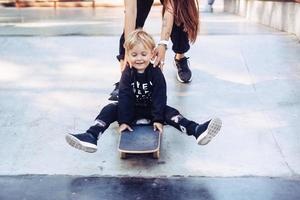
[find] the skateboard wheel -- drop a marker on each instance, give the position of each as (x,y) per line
(155,154)
(122,155)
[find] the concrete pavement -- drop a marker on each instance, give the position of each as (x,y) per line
(108,22)
(114,188)
(245,73)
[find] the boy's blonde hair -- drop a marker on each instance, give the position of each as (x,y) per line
(139,37)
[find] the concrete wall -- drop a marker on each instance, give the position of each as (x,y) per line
(284,16)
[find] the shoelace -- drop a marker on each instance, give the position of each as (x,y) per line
(182,64)
(116,85)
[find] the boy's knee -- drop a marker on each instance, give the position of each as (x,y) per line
(99,123)
(170,113)
(176,118)
(108,111)
(172,118)
(111,106)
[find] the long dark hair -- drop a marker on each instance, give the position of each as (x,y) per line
(186,14)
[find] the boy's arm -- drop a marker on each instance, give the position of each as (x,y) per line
(126,98)
(159,95)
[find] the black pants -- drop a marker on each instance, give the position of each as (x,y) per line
(109,114)
(179,38)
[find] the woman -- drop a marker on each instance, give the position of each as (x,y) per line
(180,23)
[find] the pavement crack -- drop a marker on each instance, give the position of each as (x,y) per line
(282,155)
(280,150)
(244,61)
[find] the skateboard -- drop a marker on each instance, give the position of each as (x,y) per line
(142,140)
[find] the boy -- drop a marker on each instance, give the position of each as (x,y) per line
(142,95)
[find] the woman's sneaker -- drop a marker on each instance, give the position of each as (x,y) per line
(184,74)
(114,95)
(205,132)
(84,141)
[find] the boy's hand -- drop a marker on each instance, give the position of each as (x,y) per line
(124,127)
(158,126)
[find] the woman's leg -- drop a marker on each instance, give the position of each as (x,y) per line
(180,46)
(179,39)
(143,9)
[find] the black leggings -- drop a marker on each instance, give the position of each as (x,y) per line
(179,37)
(109,114)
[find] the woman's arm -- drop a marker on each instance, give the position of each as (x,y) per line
(130,16)
(129,23)
(166,29)
(167,23)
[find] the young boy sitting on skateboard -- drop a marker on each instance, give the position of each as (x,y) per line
(142,94)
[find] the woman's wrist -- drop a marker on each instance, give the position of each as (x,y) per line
(163,43)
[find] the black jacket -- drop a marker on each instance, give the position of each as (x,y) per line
(146,90)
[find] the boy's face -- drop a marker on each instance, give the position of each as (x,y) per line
(139,57)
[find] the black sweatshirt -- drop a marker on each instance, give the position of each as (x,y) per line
(142,90)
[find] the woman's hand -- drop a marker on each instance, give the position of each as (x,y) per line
(124,127)
(158,127)
(123,64)
(159,56)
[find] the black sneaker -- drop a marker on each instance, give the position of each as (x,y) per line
(114,95)
(84,141)
(184,74)
(205,132)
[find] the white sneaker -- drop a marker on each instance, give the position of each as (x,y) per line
(212,130)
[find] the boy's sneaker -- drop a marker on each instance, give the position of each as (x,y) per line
(84,141)
(114,95)
(184,74)
(205,132)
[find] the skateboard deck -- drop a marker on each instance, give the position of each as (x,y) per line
(142,140)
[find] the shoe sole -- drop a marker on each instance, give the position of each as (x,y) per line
(181,81)
(178,77)
(212,130)
(84,146)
